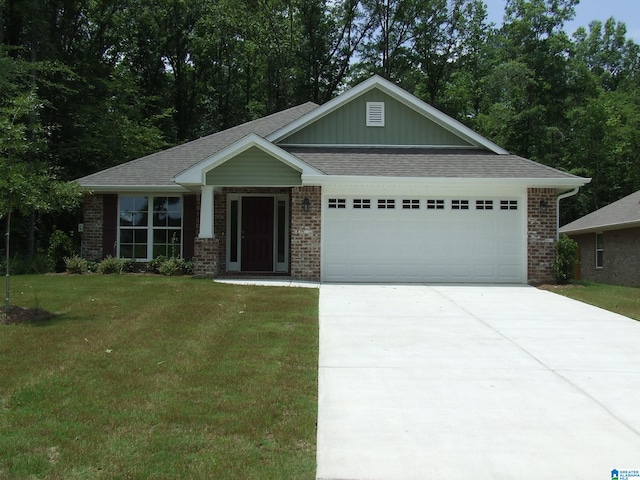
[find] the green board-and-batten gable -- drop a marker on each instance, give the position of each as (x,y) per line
(253,167)
(347,126)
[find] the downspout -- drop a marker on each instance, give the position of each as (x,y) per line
(562,197)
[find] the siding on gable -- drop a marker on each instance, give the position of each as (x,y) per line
(253,167)
(347,126)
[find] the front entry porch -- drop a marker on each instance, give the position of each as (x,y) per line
(260,231)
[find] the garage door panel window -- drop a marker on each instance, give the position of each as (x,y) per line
(362,203)
(484,204)
(411,204)
(433,204)
(508,205)
(337,203)
(386,203)
(459,204)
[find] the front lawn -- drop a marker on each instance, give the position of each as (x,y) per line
(622,300)
(154,377)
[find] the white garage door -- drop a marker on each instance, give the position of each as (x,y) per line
(419,239)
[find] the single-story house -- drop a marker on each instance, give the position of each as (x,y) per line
(373,186)
(609,242)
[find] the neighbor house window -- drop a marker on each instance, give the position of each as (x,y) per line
(149,226)
(599,250)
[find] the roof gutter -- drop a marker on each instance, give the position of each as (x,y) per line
(562,197)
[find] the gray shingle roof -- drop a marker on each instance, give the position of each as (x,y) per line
(423,162)
(158,168)
(624,213)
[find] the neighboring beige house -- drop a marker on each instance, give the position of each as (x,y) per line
(373,186)
(609,241)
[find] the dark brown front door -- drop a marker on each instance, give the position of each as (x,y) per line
(257,234)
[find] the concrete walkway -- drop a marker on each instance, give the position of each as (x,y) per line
(474,382)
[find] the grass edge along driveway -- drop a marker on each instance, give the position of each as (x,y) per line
(158,377)
(615,298)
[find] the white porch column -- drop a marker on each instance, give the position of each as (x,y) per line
(206,212)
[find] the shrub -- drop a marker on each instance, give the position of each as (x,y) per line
(176,266)
(566,259)
(153,266)
(23,264)
(60,248)
(115,265)
(76,265)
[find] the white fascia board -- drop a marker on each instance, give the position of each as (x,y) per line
(398,93)
(558,183)
(196,174)
(134,188)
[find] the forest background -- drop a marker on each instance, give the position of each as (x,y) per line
(88,84)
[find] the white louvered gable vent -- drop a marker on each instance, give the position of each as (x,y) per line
(375,114)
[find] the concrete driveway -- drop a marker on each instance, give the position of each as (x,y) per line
(474,382)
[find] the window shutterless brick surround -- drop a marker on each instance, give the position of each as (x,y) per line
(541,233)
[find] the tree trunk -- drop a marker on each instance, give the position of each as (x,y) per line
(6,247)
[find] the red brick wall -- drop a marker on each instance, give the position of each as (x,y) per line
(541,235)
(306,233)
(93,220)
(621,262)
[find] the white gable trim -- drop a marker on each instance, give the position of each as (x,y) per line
(399,94)
(196,174)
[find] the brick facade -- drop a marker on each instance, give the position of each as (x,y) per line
(306,233)
(541,234)
(621,261)
(93,225)
(205,257)
(305,240)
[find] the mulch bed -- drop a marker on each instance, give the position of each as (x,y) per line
(553,287)
(24,315)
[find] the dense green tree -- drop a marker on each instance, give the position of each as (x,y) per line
(26,183)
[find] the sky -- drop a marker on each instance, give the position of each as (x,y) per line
(627,11)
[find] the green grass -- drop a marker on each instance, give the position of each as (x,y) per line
(622,300)
(157,377)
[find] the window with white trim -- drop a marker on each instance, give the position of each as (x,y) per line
(435,204)
(149,226)
(599,250)
(508,204)
(337,203)
(411,204)
(484,204)
(386,203)
(459,204)
(361,203)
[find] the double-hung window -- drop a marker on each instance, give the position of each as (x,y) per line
(149,227)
